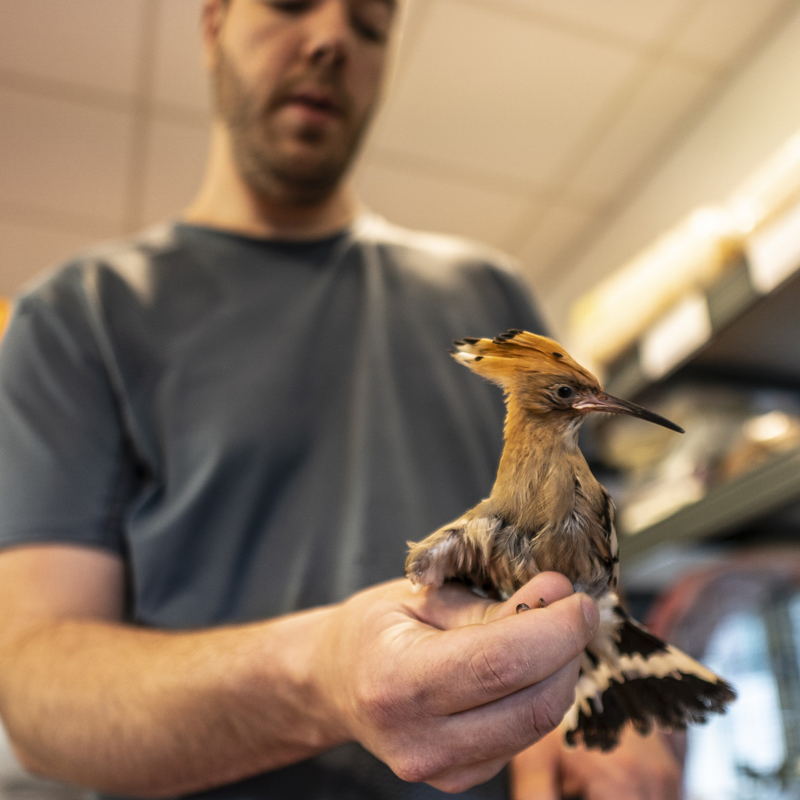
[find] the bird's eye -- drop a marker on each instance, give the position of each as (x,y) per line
(565,392)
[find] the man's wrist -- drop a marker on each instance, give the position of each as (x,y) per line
(302,648)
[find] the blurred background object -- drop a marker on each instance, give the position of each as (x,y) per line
(641,158)
(742,617)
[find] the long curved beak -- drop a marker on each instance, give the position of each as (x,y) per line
(609,404)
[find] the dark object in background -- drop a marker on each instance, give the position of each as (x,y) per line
(743,617)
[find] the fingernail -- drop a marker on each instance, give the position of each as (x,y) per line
(590,612)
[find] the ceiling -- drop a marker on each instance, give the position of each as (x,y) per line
(522,123)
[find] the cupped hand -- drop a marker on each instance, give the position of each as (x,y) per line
(444,686)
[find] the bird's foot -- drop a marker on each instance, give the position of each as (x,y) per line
(542,603)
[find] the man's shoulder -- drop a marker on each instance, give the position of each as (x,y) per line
(131,258)
(435,254)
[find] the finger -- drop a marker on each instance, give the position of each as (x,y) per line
(454,605)
(460,669)
(536,594)
(509,725)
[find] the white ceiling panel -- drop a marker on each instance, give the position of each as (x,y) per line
(429,203)
(641,21)
(92,43)
(180,78)
(27,250)
(175,161)
(644,127)
(722,29)
(489,92)
(63,157)
(557,231)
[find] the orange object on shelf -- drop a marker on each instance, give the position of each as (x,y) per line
(5,313)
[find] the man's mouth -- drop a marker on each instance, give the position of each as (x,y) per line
(315,103)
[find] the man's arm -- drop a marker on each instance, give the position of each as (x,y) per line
(443,686)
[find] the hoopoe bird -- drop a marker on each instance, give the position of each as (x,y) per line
(546,512)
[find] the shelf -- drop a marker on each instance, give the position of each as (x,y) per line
(724,510)
(743,329)
(745,325)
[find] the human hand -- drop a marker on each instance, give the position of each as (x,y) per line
(444,686)
(640,768)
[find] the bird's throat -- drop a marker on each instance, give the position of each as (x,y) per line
(536,479)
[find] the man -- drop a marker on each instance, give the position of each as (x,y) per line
(213,437)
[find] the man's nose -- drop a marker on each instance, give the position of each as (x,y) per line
(329,33)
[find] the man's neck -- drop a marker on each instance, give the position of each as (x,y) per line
(225,201)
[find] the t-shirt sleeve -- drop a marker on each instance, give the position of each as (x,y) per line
(64,469)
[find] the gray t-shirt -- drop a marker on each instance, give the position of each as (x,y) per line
(255,426)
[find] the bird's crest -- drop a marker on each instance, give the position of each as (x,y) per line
(514,352)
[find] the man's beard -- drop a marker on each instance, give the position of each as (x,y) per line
(270,171)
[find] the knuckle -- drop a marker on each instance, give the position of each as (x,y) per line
(378,701)
(548,713)
(416,767)
(493,671)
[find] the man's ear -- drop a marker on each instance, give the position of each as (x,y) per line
(212,18)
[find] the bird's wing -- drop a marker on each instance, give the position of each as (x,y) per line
(611,541)
(467,550)
(459,550)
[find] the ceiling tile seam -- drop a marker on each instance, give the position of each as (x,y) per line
(603,124)
(769,30)
(398,159)
(180,114)
(690,62)
(77,94)
(99,99)
(599,36)
(56,220)
(591,139)
(580,30)
(133,210)
(629,188)
(640,176)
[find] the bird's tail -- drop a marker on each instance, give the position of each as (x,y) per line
(644,681)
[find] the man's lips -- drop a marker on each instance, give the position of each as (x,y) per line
(314,104)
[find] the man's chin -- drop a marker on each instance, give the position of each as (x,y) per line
(300,181)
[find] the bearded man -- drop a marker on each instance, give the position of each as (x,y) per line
(215,441)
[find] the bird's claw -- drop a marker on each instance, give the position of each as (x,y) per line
(526,607)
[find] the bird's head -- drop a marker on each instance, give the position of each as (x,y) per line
(545,380)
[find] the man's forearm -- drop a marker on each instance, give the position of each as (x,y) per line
(133,711)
